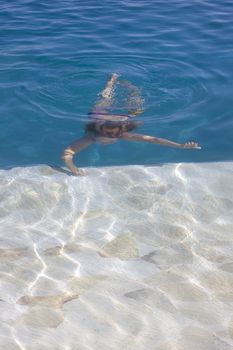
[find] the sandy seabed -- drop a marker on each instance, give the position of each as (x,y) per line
(126,257)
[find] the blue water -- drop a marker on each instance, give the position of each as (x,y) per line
(55,58)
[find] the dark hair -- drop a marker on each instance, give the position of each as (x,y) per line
(95,126)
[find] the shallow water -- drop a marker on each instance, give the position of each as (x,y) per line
(136,256)
(128,255)
(55,58)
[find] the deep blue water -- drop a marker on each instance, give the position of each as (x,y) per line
(55,58)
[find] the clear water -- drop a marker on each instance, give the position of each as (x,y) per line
(131,257)
(56,56)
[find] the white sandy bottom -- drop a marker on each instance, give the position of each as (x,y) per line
(126,257)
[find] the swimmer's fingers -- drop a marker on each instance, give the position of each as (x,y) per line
(78,172)
(191,145)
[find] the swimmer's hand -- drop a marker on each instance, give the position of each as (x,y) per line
(67,157)
(78,172)
(190,145)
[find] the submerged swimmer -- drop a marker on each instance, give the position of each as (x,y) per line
(106,128)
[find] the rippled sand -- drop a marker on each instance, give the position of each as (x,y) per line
(126,257)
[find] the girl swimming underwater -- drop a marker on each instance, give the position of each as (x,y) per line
(106,128)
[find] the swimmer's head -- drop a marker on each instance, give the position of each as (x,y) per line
(131,125)
(112,128)
(112,131)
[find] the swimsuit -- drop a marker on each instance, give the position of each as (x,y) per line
(112,117)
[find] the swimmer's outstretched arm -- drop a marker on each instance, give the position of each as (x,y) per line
(71,150)
(145,138)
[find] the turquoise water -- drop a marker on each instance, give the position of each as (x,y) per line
(55,58)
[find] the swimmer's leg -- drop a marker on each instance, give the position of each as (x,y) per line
(134,102)
(107,95)
(108,90)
